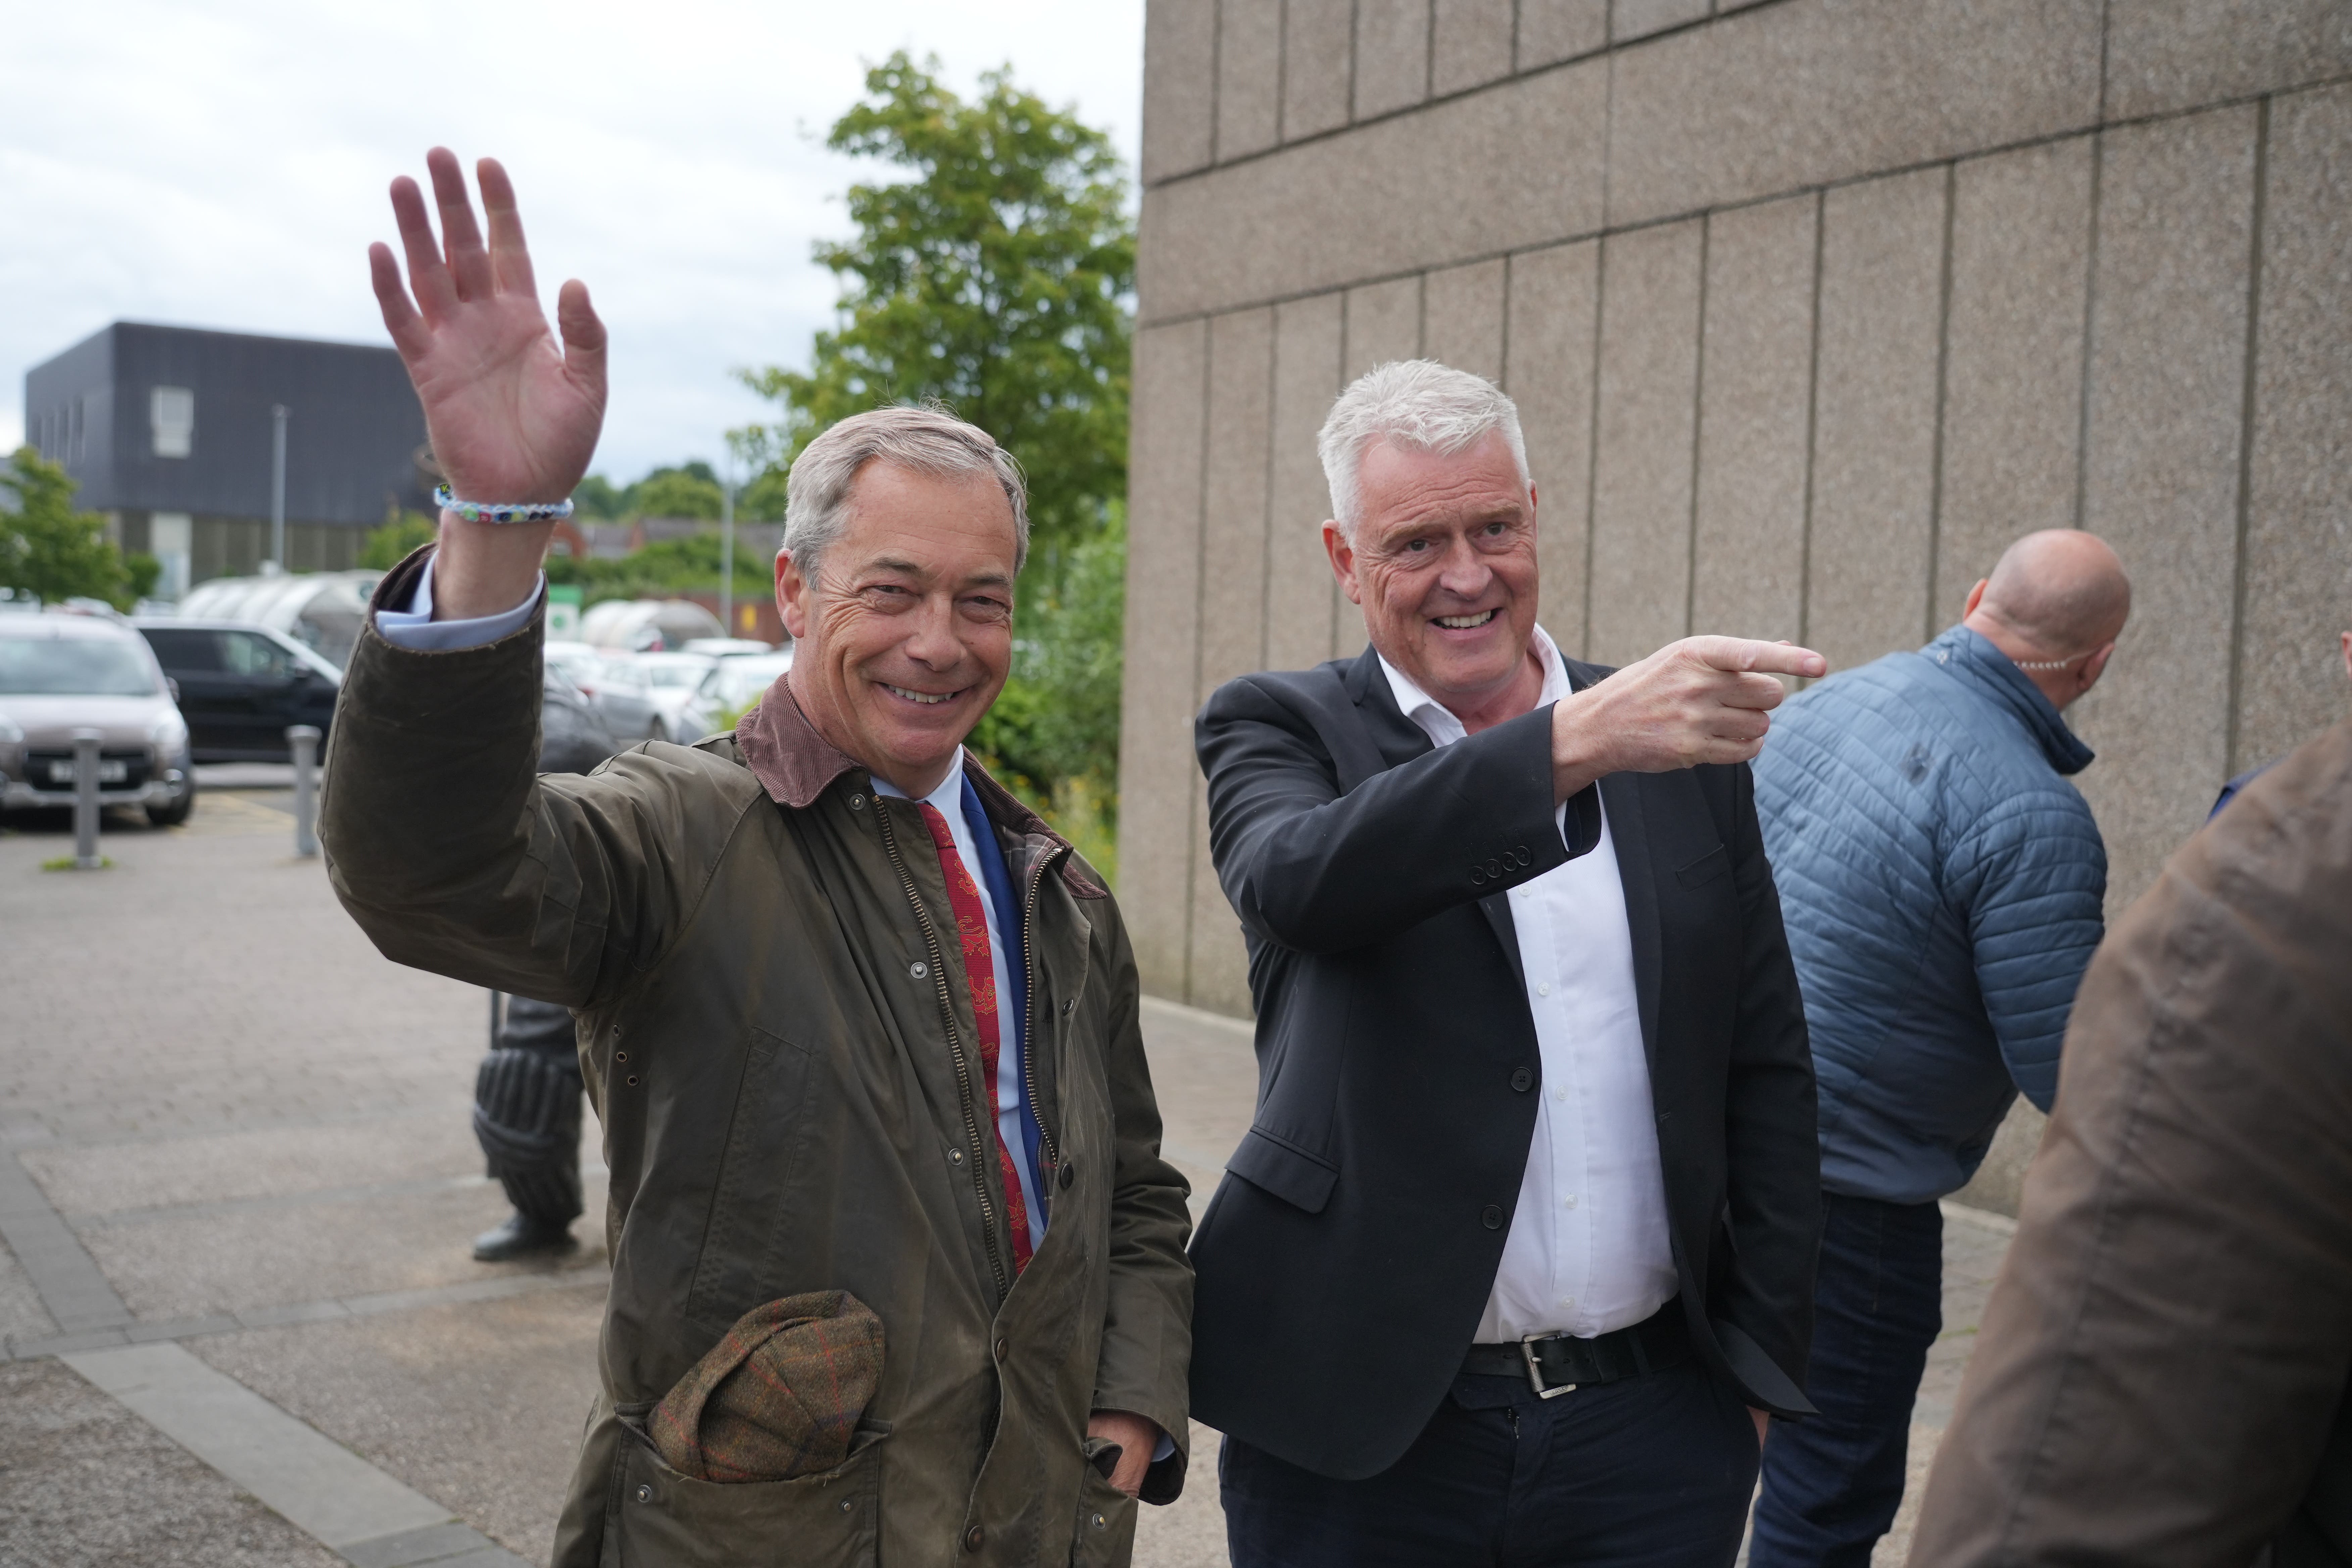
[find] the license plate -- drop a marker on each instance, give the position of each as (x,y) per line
(108,773)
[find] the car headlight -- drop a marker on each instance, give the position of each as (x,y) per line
(9,733)
(168,730)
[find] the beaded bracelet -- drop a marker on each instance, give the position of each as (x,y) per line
(493,512)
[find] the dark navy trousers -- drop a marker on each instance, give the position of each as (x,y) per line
(1653,1470)
(1833,1481)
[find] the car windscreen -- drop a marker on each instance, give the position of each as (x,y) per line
(74,667)
(738,681)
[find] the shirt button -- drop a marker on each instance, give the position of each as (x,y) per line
(918,969)
(1569,1200)
(1543,990)
(1568,1300)
(1491,1216)
(1560,1094)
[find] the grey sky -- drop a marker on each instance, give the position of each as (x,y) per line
(225,165)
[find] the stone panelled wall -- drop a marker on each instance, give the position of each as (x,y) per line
(1809,307)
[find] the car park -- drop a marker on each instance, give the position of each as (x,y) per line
(573,737)
(242,685)
(671,680)
(60,673)
(614,686)
(733,684)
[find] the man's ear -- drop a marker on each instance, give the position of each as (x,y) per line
(1343,560)
(2097,666)
(1976,597)
(791,596)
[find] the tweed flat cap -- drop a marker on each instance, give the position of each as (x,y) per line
(779,1396)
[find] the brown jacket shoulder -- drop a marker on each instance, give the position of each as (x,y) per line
(2166,1347)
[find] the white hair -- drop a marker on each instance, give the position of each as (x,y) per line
(1417,403)
(927,440)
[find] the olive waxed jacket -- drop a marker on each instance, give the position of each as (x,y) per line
(781,1051)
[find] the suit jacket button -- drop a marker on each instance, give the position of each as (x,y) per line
(1525,858)
(1522,1080)
(1477,878)
(1494,868)
(1492,1216)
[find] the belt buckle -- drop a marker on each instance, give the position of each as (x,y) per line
(1535,1369)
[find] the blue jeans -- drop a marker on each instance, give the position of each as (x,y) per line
(1833,1481)
(1647,1472)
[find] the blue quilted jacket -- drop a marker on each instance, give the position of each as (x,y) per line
(1942,884)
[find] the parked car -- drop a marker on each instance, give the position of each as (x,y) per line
(59,673)
(242,685)
(618,690)
(733,684)
(670,681)
(647,626)
(572,736)
(723,647)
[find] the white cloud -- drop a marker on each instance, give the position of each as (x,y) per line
(225,165)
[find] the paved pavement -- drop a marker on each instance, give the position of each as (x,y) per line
(237,1187)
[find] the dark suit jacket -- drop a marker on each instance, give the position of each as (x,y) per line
(1348,1255)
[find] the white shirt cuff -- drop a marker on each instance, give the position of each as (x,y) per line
(415,628)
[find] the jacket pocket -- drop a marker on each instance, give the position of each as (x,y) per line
(1705,868)
(1105,1537)
(1295,1176)
(664,1520)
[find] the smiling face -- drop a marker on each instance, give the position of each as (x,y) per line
(906,637)
(1443,563)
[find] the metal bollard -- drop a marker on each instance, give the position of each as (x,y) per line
(304,740)
(86,855)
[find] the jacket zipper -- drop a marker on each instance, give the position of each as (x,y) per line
(1029,1036)
(980,1162)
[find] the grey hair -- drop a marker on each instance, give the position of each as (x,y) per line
(927,440)
(1417,404)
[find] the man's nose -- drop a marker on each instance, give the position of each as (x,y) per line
(933,640)
(1464,572)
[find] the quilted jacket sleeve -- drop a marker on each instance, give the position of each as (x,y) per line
(2031,877)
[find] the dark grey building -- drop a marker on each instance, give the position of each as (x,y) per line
(169,431)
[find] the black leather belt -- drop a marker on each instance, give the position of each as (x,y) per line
(1555,1365)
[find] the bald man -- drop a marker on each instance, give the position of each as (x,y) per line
(1941,881)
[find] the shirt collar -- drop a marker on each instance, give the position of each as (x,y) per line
(947,800)
(1438,721)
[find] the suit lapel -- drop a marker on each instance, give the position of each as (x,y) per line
(1621,797)
(1398,740)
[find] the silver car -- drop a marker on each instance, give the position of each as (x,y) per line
(59,673)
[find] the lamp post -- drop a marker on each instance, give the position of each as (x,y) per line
(278,486)
(727,550)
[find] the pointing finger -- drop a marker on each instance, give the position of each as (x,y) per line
(469,263)
(435,295)
(1744,655)
(510,257)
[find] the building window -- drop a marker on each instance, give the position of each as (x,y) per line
(172,414)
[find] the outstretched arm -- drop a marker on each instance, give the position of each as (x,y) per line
(512,413)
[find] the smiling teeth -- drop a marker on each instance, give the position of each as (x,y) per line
(926,698)
(1464,623)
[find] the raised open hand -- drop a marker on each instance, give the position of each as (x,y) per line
(512,415)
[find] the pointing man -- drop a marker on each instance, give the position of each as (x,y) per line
(1520,1247)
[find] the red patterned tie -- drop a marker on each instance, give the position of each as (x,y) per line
(980,971)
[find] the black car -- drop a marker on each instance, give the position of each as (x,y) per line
(241,686)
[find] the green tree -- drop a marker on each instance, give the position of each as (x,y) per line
(677,492)
(599,498)
(48,549)
(386,547)
(995,279)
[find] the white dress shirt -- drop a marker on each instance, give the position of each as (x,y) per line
(1588,1250)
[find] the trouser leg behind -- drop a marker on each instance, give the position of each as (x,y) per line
(1833,1481)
